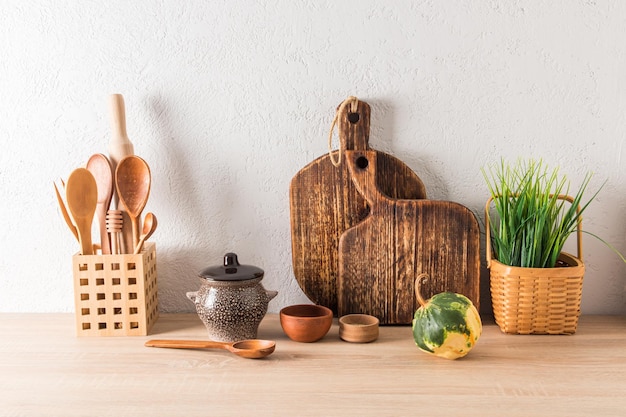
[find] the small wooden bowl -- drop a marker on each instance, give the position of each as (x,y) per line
(358,328)
(306,322)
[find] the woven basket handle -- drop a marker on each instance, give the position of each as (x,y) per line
(579,230)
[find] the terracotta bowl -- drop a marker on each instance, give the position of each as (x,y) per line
(306,322)
(358,328)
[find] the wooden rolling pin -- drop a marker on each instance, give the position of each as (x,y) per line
(119,148)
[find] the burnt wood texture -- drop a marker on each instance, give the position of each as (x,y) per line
(324,203)
(380,257)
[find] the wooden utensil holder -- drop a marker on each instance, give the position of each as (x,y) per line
(116,295)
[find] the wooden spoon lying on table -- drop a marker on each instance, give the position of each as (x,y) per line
(82,198)
(251,349)
(132,180)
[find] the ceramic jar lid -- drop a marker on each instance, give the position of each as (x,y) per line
(232,270)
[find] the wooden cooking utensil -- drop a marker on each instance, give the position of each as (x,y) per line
(149,226)
(324,203)
(115,220)
(132,180)
(380,257)
(100,168)
(82,198)
(64,212)
(251,349)
(119,148)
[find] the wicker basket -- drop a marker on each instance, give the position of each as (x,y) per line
(536,300)
(116,295)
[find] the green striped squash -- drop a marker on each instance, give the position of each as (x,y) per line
(447,325)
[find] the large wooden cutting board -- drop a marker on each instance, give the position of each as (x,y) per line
(324,203)
(380,258)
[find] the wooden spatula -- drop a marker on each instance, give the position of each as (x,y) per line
(82,198)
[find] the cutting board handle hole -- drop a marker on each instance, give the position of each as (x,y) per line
(362,162)
(353,117)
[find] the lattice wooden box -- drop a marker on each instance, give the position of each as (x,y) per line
(116,295)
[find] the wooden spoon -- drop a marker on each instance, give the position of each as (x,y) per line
(149,226)
(132,180)
(100,168)
(251,349)
(82,198)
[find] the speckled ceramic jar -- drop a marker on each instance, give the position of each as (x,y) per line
(231,302)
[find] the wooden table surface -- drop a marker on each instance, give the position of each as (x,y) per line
(47,371)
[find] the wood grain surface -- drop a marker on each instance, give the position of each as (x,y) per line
(46,371)
(324,203)
(380,257)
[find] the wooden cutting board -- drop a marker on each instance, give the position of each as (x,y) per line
(324,203)
(380,257)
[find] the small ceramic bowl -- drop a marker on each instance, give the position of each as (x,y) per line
(358,328)
(306,322)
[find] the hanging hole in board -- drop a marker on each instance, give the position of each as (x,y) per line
(353,117)
(362,162)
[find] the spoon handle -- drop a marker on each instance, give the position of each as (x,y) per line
(188,344)
(105,242)
(140,245)
(134,221)
(65,214)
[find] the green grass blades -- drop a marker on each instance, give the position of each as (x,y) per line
(534,220)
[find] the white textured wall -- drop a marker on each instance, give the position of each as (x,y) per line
(227,100)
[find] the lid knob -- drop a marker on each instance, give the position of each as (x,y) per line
(230,259)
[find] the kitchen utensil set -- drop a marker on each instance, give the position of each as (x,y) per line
(114,190)
(89,192)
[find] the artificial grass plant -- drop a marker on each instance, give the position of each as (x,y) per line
(533,222)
